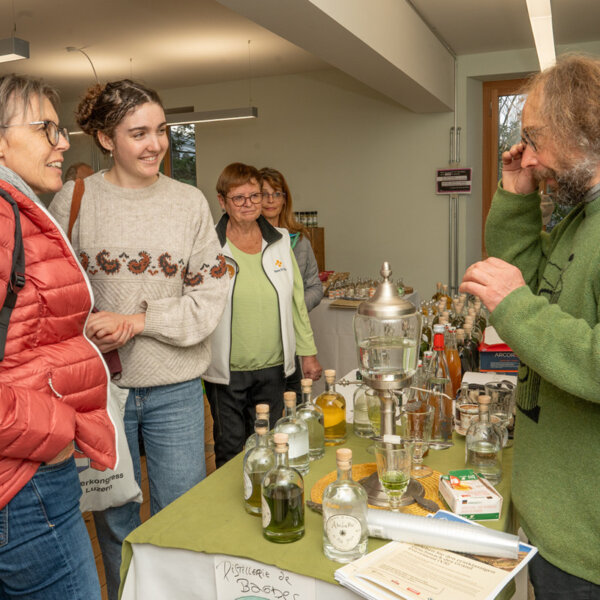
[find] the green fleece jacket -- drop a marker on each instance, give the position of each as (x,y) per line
(552,324)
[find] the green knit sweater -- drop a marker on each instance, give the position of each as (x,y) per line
(552,325)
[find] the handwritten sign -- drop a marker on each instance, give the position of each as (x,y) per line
(242,579)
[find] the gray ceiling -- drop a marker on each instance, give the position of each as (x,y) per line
(178,43)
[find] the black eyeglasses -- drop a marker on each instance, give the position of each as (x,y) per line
(52,130)
(273,196)
(240,199)
(527,140)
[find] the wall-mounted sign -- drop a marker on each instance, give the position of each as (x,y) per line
(453,181)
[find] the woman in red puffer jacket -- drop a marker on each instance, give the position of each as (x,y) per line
(53,382)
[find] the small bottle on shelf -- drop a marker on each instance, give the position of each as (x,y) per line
(483,445)
(257,462)
(282,498)
(333,406)
(345,531)
(297,434)
(313,417)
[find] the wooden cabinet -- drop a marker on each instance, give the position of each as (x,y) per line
(317,241)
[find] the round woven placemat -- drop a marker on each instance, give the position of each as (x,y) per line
(430,484)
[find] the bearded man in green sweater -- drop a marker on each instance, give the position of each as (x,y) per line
(543,292)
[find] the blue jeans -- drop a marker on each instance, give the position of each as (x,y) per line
(45,550)
(170,419)
(551,583)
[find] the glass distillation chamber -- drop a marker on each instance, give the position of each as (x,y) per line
(387,330)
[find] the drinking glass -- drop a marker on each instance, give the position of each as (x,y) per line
(416,421)
(501,395)
(393,470)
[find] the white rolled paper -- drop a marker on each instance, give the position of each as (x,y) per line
(439,533)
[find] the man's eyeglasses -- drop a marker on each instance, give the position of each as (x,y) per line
(240,199)
(527,140)
(273,196)
(52,130)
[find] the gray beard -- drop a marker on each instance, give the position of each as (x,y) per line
(572,183)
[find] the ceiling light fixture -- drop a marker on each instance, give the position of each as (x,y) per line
(73,49)
(13,48)
(210,116)
(540,16)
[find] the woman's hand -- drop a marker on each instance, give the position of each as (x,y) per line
(311,368)
(109,330)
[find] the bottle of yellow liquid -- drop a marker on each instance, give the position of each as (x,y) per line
(333,406)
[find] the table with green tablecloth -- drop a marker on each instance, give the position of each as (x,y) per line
(210,520)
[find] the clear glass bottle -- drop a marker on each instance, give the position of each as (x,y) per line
(362,425)
(282,498)
(257,462)
(333,406)
(297,431)
(313,417)
(483,445)
(440,393)
(262,414)
(345,532)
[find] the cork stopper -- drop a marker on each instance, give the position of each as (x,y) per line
(289,399)
(484,402)
(281,440)
(330,375)
(306,383)
(262,409)
(343,457)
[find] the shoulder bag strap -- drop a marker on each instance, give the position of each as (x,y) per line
(17,275)
(75,204)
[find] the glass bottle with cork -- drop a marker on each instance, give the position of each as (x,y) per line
(282,497)
(313,417)
(483,445)
(257,461)
(345,531)
(262,413)
(333,406)
(297,432)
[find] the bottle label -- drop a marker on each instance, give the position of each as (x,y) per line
(247,486)
(266,513)
(343,531)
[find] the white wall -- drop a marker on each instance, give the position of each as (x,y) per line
(365,163)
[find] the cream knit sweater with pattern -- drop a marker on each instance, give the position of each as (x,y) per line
(152,250)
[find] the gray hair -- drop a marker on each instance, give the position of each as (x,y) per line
(16,92)
(570,102)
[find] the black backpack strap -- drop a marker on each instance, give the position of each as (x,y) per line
(17,275)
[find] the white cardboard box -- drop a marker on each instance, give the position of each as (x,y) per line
(471,496)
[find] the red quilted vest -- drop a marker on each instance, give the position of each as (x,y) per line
(53,382)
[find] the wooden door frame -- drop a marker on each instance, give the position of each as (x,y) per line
(492,90)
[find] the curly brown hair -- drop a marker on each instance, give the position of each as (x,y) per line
(104,106)
(569,94)
(286,218)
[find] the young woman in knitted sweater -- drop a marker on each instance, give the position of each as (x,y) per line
(148,245)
